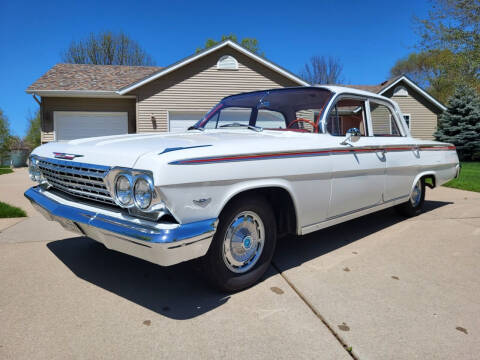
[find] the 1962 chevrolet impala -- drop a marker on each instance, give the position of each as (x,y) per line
(257,166)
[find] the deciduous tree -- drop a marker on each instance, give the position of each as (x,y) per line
(453,25)
(107,48)
(248,43)
(449,48)
(437,71)
(32,139)
(322,70)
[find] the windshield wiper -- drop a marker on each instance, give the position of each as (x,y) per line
(195,127)
(251,127)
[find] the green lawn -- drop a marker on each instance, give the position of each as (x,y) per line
(9,211)
(469,177)
(5,170)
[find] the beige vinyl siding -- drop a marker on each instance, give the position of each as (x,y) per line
(51,104)
(381,119)
(423,115)
(199,86)
(423,122)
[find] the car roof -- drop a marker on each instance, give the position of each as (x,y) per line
(348,90)
(332,88)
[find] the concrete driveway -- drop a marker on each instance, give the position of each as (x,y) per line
(388,288)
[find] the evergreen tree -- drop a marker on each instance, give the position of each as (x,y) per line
(460,123)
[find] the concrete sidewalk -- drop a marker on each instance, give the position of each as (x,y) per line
(388,287)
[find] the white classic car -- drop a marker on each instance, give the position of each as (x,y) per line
(258,165)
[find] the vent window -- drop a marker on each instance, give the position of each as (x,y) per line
(227,62)
(400,91)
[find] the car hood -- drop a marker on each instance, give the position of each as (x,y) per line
(125,150)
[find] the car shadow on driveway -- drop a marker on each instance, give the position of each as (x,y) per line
(179,291)
(292,251)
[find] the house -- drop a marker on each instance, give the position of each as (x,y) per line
(93,100)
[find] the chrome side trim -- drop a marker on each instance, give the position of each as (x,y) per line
(310,153)
(156,242)
(365,208)
(333,220)
(166,150)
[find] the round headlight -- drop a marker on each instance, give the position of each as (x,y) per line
(33,170)
(143,192)
(123,190)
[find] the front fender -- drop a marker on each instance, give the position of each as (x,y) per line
(197,201)
(244,186)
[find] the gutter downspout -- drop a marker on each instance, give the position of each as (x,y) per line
(40,103)
(36,99)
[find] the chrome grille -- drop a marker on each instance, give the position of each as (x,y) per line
(77,179)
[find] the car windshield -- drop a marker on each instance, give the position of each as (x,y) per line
(296,109)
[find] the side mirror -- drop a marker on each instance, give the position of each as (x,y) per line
(353,135)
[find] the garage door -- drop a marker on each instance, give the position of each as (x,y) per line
(71,125)
(181,121)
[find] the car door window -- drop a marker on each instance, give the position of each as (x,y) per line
(347,114)
(383,121)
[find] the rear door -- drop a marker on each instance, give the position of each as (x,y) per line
(401,156)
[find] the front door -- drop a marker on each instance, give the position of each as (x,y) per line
(358,166)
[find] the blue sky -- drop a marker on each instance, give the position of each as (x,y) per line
(367,36)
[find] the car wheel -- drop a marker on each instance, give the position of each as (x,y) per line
(243,245)
(414,205)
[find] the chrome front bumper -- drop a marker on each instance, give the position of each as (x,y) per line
(159,243)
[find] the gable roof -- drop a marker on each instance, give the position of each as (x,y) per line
(205,52)
(387,85)
(117,80)
(89,78)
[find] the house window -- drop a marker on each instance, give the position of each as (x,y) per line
(227,62)
(407,119)
(400,91)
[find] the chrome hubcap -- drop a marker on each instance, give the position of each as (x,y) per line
(243,242)
(416,194)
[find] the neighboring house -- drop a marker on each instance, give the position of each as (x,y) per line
(419,108)
(93,100)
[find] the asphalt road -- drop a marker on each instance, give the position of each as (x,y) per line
(387,287)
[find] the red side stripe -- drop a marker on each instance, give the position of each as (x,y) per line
(274,155)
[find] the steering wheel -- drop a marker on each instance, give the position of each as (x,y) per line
(315,127)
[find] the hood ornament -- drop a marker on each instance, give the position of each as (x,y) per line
(65,156)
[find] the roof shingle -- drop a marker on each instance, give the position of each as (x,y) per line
(374,88)
(91,77)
